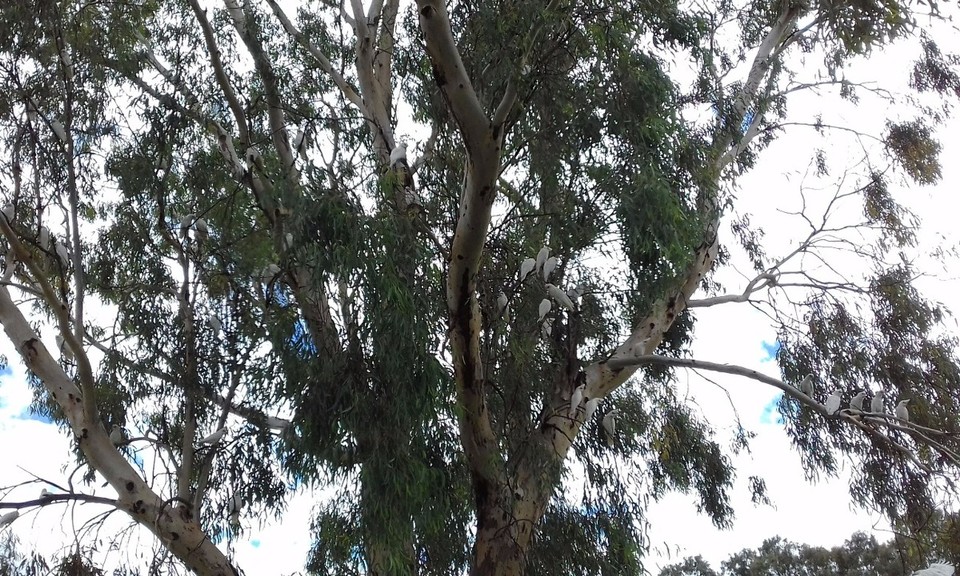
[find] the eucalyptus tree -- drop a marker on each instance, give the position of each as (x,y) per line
(203,208)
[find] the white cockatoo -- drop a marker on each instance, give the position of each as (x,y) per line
(575,399)
(542,256)
(234,508)
(214,437)
(300,141)
(548,267)
(215,324)
(44,494)
(63,254)
(833,403)
(544,309)
(185,223)
(44,238)
(560,296)
(526,267)
(936,569)
(503,306)
(288,240)
(251,156)
(876,404)
(65,350)
(59,130)
(398,154)
(400,167)
(590,408)
(610,425)
(857,402)
(202,229)
(8,518)
(116,435)
(8,212)
(901,411)
(806,385)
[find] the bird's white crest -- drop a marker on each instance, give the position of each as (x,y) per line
(806,385)
(542,256)
(560,296)
(590,408)
(8,212)
(936,569)
(398,153)
(59,130)
(526,267)
(876,404)
(901,411)
(8,518)
(544,309)
(44,237)
(857,402)
(833,403)
(214,437)
(548,267)
(575,399)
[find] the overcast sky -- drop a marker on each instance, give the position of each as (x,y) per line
(816,514)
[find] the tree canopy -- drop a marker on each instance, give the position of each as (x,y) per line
(210,227)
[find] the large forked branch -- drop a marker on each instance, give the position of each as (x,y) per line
(476,433)
(557,432)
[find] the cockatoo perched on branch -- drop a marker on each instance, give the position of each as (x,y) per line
(400,167)
(549,265)
(901,411)
(560,296)
(544,309)
(214,438)
(542,256)
(876,404)
(833,403)
(610,425)
(857,402)
(575,399)
(806,385)
(526,267)
(590,408)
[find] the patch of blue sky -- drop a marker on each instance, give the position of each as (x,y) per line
(771,412)
(770,350)
(255,543)
(5,370)
(28,414)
